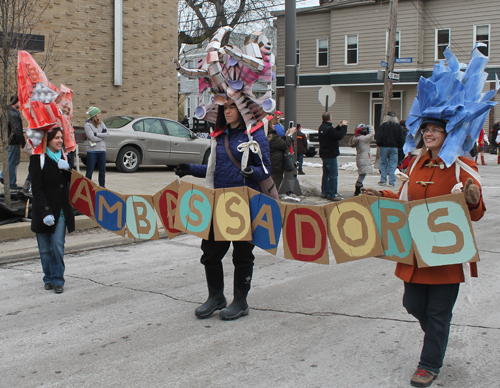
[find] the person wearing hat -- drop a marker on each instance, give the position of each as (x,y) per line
(363,135)
(16,141)
(389,138)
(96,132)
(276,123)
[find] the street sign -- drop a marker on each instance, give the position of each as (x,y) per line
(384,64)
(403,60)
(394,76)
(326,96)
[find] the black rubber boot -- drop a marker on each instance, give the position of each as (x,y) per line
(238,308)
(216,300)
(357,190)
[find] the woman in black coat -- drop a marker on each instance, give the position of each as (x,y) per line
(51,210)
(278,146)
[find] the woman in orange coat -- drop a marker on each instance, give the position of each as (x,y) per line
(431,292)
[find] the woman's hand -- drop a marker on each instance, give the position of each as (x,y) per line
(247,173)
(472,192)
(182,170)
(291,131)
(369,191)
(49,220)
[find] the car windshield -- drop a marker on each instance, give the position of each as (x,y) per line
(117,121)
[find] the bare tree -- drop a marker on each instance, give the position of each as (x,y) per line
(18,18)
(199,19)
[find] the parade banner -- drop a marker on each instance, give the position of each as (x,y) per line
(165,202)
(267,217)
(193,214)
(232,215)
(352,230)
(437,231)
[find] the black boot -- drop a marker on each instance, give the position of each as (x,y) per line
(357,190)
(216,300)
(239,306)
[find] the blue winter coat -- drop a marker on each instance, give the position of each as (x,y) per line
(227,174)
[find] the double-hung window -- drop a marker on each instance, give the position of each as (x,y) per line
(442,41)
(351,49)
(482,35)
(297,49)
(322,52)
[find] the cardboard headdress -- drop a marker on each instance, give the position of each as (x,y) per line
(43,105)
(454,96)
(230,72)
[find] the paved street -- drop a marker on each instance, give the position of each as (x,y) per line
(126,317)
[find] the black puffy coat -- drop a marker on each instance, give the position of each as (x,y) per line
(329,139)
(278,146)
(50,187)
(390,134)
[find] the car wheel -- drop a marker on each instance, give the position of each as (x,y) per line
(311,152)
(128,159)
(84,161)
(206,156)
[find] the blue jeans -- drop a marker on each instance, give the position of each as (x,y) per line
(330,177)
(98,158)
(14,160)
(51,249)
(300,161)
(388,164)
(432,305)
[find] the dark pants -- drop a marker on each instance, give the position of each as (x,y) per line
(432,305)
(330,178)
(300,162)
(243,258)
(96,158)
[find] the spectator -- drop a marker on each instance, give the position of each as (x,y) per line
(328,151)
(278,145)
(51,211)
(280,129)
(301,149)
(229,133)
(16,141)
(96,132)
(493,137)
(363,135)
(389,138)
(185,121)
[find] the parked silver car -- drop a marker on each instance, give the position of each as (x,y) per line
(136,140)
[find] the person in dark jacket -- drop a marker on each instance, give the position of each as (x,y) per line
(278,145)
(16,141)
(389,138)
(185,121)
(493,139)
(51,210)
(328,151)
(231,127)
(301,149)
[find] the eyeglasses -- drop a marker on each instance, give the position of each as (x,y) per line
(432,130)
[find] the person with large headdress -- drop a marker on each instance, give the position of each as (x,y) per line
(239,152)
(445,119)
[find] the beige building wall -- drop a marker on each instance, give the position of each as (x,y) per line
(84,35)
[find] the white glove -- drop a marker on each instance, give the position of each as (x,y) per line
(49,220)
(62,164)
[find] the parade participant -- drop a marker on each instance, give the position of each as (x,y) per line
(482,144)
(389,138)
(363,135)
(441,168)
(329,151)
(241,122)
(51,211)
(301,149)
(96,132)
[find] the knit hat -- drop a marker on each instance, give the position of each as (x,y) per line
(93,110)
(13,99)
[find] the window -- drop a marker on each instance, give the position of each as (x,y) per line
(442,41)
(298,52)
(396,44)
(322,52)
(177,130)
(351,54)
(482,35)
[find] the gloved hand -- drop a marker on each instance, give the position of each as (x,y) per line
(49,220)
(247,173)
(63,165)
(471,191)
(104,130)
(182,169)
(95,134)
(369,191)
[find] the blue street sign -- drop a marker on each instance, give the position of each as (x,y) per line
(383,63)
(403,60)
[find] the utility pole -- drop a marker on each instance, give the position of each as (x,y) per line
(290,183)
(391,46)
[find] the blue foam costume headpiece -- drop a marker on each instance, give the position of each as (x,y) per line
(454,96)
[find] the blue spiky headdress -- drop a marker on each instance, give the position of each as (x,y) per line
(454,96)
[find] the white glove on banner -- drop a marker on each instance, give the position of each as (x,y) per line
(49,220)
(62,164)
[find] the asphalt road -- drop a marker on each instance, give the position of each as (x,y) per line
(126,318)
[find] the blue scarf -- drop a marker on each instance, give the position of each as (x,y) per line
(55,156)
